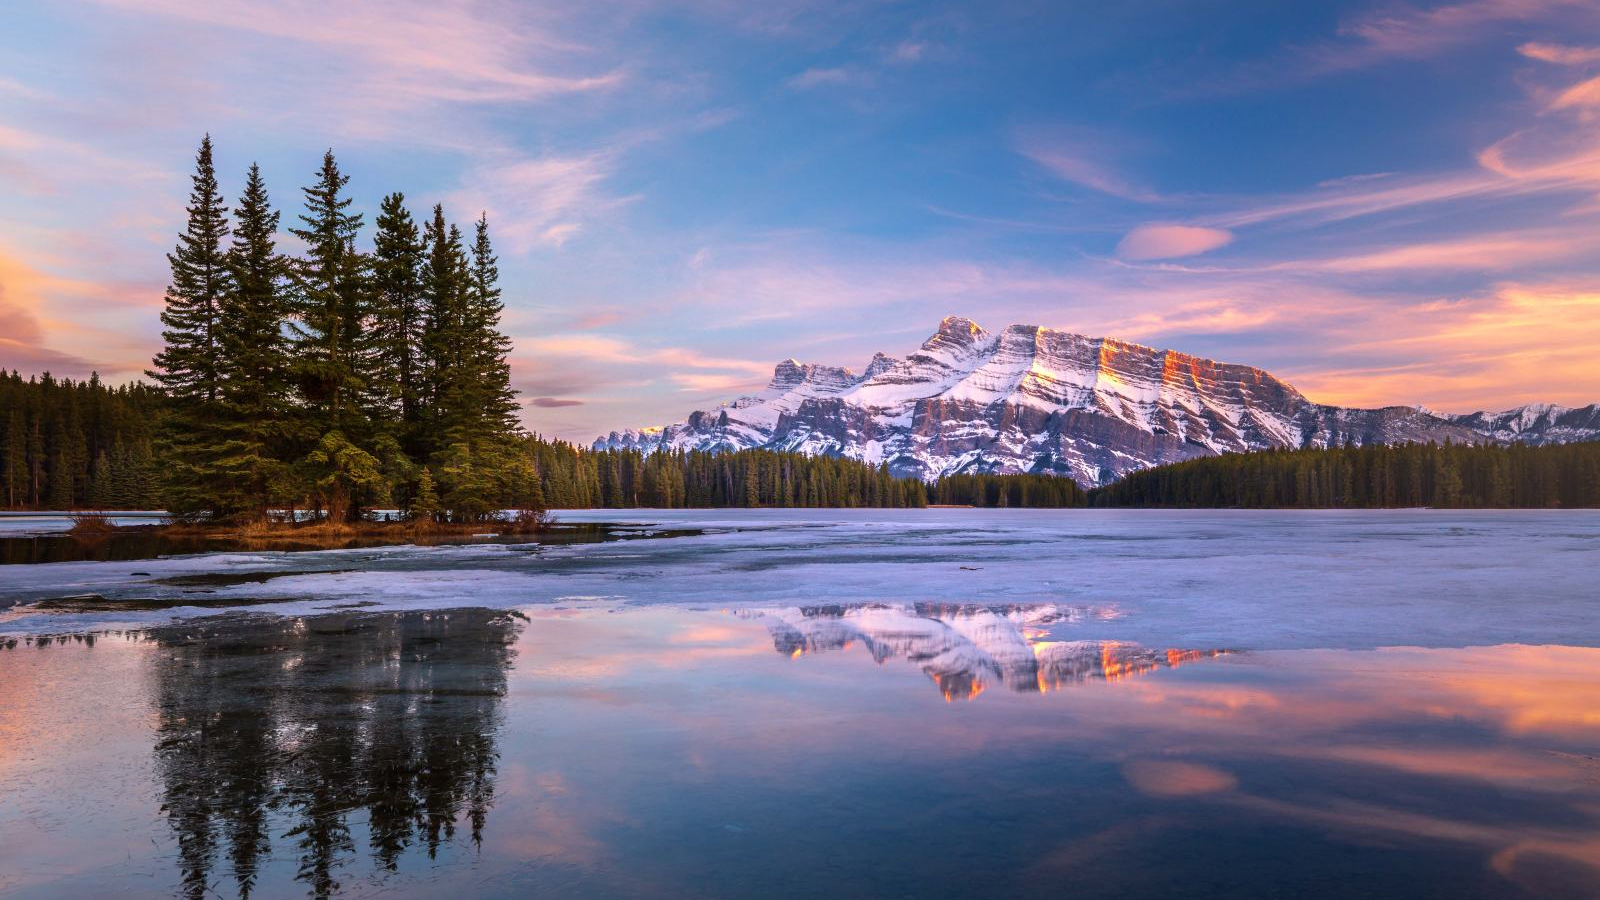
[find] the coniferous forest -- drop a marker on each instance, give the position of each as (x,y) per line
(1375,476)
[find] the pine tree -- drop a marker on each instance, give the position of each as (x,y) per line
(331,287)
(489,377)
(398,320)
(189,365)
(257,415)
(329,283)
(443,297)
(425,505)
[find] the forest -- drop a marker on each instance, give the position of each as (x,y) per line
(1454,476)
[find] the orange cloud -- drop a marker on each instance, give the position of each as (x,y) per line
(1522,343)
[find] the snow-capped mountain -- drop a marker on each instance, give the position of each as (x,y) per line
(1031,399)
(967,649)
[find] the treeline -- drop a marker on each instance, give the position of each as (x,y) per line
(574,478)
(1375,476)
(77,444)
(1007,491)
(340,379)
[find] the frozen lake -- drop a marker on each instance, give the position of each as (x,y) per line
(1263,580)
(920,704)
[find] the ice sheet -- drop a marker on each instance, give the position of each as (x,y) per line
(1236,579)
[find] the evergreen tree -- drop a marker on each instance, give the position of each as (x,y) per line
(257,417)
(443,298)
(330,285)
(487,380)
(397,377)
(189,365)
(425,504)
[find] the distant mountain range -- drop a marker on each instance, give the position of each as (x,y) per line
(1030,399)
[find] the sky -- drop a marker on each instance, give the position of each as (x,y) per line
(1382,203)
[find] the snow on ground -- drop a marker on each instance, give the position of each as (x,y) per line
(1236,579)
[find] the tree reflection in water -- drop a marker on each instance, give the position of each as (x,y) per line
(314,727)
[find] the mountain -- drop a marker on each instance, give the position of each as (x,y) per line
(967,649)
(1032,399)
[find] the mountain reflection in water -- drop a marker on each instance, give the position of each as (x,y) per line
(294,728)
(966,649)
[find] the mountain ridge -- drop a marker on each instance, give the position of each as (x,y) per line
(1034,399)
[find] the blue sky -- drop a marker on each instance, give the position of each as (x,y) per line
(1381,202)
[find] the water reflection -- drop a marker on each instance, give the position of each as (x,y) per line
(311,729)
(671,753)
(966,649)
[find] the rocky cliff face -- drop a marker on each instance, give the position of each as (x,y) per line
(1029,399)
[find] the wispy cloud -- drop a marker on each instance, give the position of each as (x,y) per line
(812,78)
(1480,253)
(1560,54)
(1082,156)
(537,200)
(449,50)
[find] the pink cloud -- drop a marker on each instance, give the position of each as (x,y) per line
(1410,31)
(1166,241)
(443,49)
(1580,95)
(1483,253)
(1559,54)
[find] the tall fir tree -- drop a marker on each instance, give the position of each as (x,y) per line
(398,320)
(443,286)
(257,412)
(492,399)
(189,365)
(329,284)
(331,298)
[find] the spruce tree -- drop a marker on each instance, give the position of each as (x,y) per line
(489,377)
(257,414)
(329,283)
(331,287)
(189,365)
(396,376)
(443,297)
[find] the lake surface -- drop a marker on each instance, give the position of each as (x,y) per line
(952,703)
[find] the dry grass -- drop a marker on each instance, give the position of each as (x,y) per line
(91,524)
(263,532)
